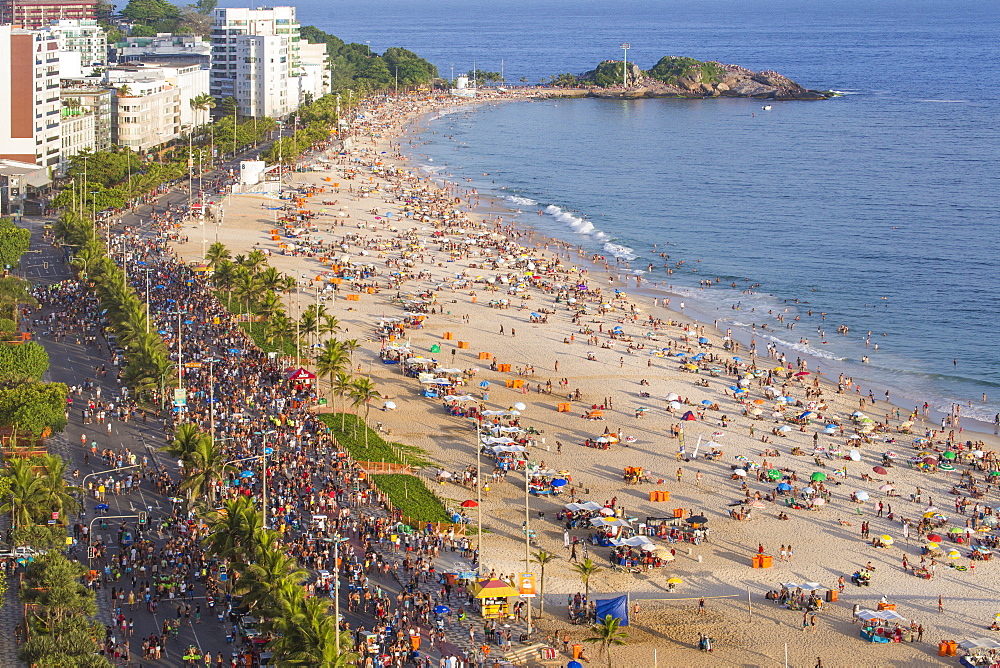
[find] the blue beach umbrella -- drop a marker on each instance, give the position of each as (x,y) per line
(706,402)
(484,384)
(703,340)
(784,487)
(558,482)
(574,664)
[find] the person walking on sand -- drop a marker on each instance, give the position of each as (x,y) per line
(701,606)
(940,603)
(680,472)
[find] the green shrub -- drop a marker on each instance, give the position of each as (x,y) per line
(411,497)
(352,438)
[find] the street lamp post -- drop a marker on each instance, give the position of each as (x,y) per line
(625,47)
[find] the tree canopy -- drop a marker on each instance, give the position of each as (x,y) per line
(14,242)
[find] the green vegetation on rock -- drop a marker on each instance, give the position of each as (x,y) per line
(671,68)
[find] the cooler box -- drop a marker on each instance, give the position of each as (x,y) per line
(831,595)
(564,408)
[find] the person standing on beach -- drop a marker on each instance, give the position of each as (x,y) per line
(680,472)
(940,603)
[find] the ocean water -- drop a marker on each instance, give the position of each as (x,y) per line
(876,208)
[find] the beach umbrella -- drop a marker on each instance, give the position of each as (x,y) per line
(802,373)
(520,406)
(706,402)
(756,411)
(607,512)
(854,455)
(886,540)
(735,388)
(703,340)
(757,503)
(676,405)
(774,474)
(574,664)
(930,461)
(948,454)
(886,488)
(470,504)
(784,428)
(879,470)
(995,473)
(441,609)
(817,476)
(672,397)
(558,482)
(740,473)
(674,581)
(758,402)
(830,430)
(861,495)
(954,554)
(389,405)
(697,519)
(819,502)
(784,487)
(946,467)
(956,530)
(484,384)
(890,455)
(933,546)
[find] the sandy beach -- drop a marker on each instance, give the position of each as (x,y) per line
(508,292)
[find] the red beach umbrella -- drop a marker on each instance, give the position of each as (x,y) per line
(934,538)
(930,460)
(879,470)
(470,504)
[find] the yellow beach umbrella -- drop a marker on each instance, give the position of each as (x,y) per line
(886,540)
(932,546)
(954,554)
(674,581)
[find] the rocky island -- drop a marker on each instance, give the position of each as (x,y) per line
(681,77)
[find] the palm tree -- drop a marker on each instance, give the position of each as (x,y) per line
(208,466)
(269,304)
(217,253)
(27,492)
(608,633)
(308,323)
(124,91)
(341,385)
(232,530)
(331,360)
(271,279)
(255,260)
(541,557)
(362,392)
(245,287)
(306,634)
(270,568)
(186,438)
(278,328)
(350,345)
(224,273)
(202,102)
(585,570)
(330,325)
(58,495)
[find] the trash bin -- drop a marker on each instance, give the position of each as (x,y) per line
(578,651)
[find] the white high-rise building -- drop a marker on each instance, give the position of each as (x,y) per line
(255,59)
(146,110)
(29,75)
(84,37)
(314,80)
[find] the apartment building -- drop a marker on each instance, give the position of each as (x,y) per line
(95,99)
(146,110)
(29,72)
(164,45)
(256,59)
(36,14)
(84,37)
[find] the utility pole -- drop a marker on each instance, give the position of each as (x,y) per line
(625,47)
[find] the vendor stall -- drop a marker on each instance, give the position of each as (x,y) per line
(492,596)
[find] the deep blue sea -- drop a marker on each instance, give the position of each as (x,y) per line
(877,208)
